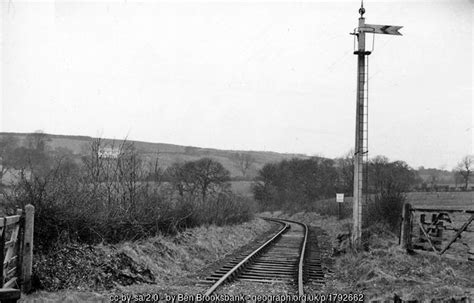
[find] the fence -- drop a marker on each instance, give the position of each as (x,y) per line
(16,253)
(431,234)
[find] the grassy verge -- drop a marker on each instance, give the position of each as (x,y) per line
(385,270)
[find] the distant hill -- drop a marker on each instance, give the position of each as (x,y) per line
(166,153)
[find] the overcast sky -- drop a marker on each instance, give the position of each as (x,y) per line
(274,76)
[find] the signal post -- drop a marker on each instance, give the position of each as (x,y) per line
(361,129)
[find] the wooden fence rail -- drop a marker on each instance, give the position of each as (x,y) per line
(16,254)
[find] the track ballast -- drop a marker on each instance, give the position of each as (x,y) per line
(280,259)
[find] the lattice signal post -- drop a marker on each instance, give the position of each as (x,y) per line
(362,114)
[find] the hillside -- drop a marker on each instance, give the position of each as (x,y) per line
(166,153)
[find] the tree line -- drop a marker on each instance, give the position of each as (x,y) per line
(311,184)
(302,181)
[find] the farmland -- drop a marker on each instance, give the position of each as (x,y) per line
(453,200)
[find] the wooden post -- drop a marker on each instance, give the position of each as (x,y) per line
(27,265)
(437,235)
(19,247)
(2,252)
(406,228)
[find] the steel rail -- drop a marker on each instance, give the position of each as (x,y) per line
(302,256)
(300,267)
(234,271)
(246,259)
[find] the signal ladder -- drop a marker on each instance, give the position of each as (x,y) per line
(363,151)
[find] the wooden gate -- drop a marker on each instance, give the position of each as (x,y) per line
(16,253)
(420,232)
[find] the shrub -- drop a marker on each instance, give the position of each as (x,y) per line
(386,208)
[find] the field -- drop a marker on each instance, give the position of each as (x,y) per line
(243,188)
(453,200)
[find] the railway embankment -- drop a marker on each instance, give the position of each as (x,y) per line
(162,264)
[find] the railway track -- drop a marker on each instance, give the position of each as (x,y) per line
(281,258)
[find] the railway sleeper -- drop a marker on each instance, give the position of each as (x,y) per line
(261,280)
(263,277)
(272,266)
(267,274)
(270,271)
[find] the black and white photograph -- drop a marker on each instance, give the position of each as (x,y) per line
(237,151)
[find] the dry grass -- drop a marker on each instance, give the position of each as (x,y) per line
(174,257)
(386,270)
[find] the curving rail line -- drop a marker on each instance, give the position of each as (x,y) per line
(281,258)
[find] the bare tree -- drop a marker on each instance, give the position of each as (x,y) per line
(204,176)
(465,169)
(457,178)
(182,178)
(345,169)
(211,176)
(130,172)
(8,144)
(155,170)
(37,140)
(433,178)
(378,168)
(243,162)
